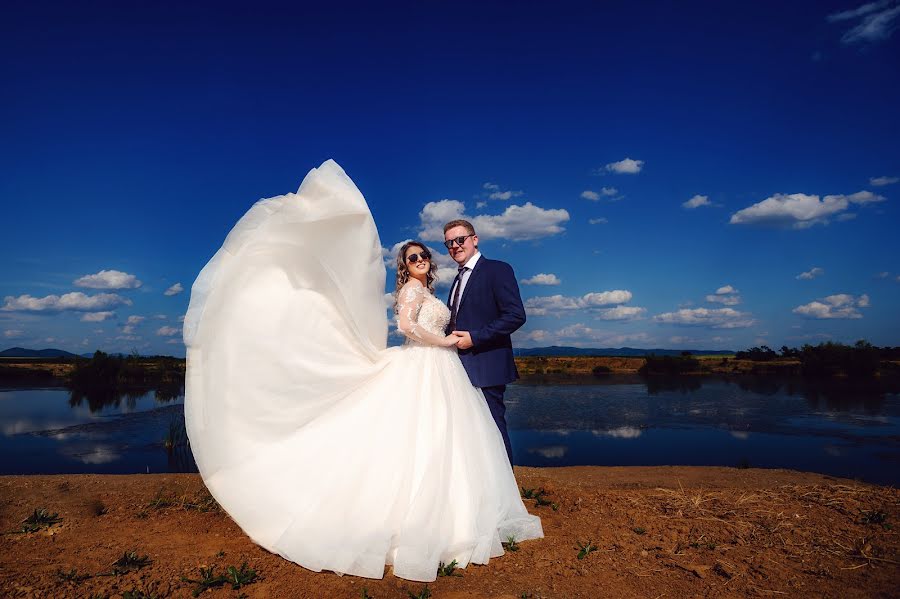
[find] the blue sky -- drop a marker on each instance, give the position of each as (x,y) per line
(658,174)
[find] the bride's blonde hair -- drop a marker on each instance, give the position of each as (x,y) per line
(403,269)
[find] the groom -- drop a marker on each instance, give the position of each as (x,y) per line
(485,309)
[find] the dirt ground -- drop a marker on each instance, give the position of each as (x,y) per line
(672,532)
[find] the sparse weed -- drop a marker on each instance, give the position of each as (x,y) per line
(39,519)
(203,502)
(875,517)
(162,500)
(448,569)
(71,576)
(135,593)
(639,530)
(424,594)
(511,544)
(585,549)
(233,576)
(129,562)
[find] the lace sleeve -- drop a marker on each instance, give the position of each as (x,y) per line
(409,301)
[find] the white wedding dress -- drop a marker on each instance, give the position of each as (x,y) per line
(325,446)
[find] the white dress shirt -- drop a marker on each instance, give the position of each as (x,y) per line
(465,277)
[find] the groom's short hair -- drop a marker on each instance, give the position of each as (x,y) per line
(459,223)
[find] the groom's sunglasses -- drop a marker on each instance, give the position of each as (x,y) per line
(457,240)
(413,258)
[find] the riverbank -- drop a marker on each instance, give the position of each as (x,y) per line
(672,532)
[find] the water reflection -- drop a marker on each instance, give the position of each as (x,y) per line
(840,428)
(98,397)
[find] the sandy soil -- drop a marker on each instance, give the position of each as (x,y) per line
(659,532)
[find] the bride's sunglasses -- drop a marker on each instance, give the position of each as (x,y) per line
(413,258)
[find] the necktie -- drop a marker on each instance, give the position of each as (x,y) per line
(454,303)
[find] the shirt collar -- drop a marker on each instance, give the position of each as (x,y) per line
(471,263)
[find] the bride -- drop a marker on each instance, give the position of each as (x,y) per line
(324,445)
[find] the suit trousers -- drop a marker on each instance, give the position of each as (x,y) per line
(494,398)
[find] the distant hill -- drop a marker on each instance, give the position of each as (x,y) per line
(21,352)
(611,351)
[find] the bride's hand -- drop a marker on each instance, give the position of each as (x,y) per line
(450,340)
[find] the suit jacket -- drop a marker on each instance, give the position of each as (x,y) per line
(491,310)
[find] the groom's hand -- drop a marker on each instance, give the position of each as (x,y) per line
(465,339)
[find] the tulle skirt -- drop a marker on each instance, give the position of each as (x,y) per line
(324,445)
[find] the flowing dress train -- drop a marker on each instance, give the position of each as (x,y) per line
(324,445)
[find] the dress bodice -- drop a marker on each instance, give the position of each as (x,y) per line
(424,311)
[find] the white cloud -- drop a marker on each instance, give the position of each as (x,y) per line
(175,341)
(108,279)
(578,335)
(542,279)
(517,223)
(505,195)
(97,316)
(167,331)
(727,300)
(800,210)
(812,273)
(480,205)
(540,306)
(13,333)
(606,298)
(716,318)
(135,319)
(840,305)
(726,295)
(597,221)
(521,223)
(607,192)
(491,186)
(174,289)
(696,202)
(76,300)
(626,166)
(552,304)
(435,214)
(882,181)
(160,316)
(621,313)
(584,334)
(536,335)
(876,22)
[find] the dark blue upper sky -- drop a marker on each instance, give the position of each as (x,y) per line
(672,169)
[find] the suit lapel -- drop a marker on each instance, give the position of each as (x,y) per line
(474,275)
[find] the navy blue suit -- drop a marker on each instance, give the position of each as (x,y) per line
(491,310)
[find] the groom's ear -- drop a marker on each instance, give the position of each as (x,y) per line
(475,241)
